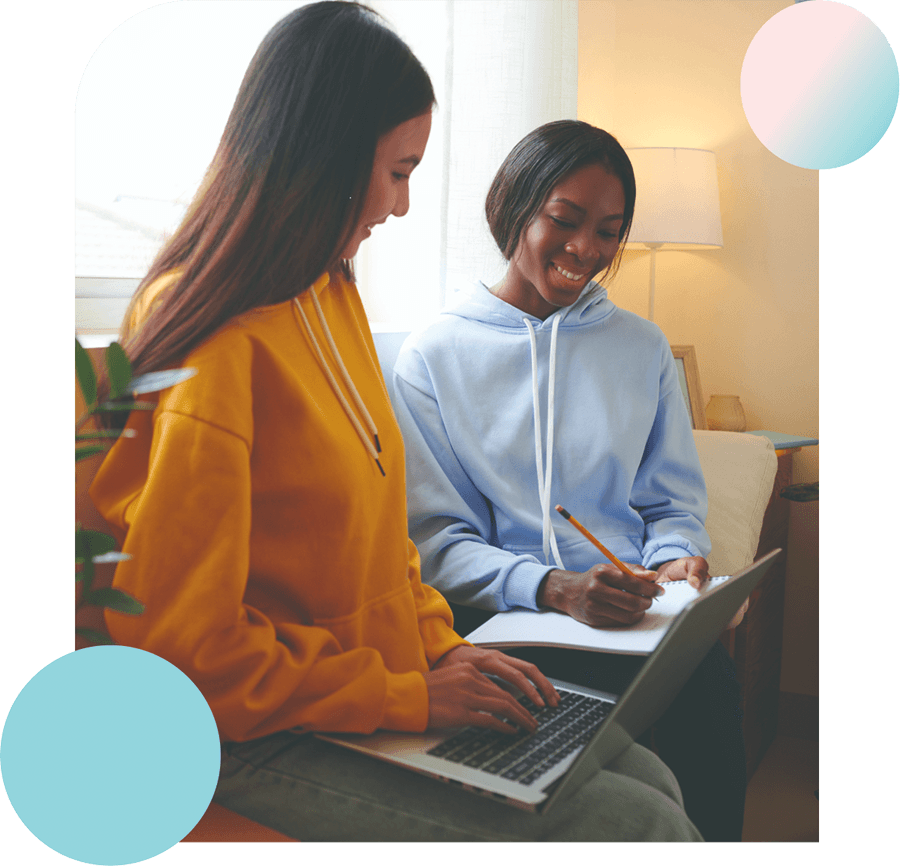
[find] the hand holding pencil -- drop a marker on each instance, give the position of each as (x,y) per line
(607,595)
(606,552)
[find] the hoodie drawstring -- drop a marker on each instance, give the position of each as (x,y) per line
(373,449)
(544,483)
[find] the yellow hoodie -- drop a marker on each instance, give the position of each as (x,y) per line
(268,547)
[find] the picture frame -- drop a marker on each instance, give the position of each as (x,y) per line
(689,376)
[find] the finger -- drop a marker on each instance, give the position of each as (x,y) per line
(486,696)
(614,607)
(698,572)
(476,700)
(610,576)
(648,577)
(530,680)
(638,586)
(508,669)
(501,704)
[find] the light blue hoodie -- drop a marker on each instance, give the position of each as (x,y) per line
(505,416)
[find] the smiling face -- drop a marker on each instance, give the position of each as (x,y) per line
(573,236)
(398,152)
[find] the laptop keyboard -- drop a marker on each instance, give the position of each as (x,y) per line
(524,757)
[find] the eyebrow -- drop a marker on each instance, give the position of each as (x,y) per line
(412,160)
(581,210)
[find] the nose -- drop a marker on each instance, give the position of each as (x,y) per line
(585,246)
(401,203)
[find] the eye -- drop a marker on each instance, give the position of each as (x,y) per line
(400,176)
(562,223)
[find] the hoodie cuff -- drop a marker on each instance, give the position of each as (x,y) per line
(657,557)
(521,585)
(405,703)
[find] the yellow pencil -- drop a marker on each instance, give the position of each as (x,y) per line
(613,559)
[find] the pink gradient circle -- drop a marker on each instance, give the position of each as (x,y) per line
(819,84)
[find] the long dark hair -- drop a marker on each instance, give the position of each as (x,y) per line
(539,162)
(288,182)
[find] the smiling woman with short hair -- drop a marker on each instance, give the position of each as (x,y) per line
(539,391)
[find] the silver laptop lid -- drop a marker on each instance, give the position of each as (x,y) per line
(688,640)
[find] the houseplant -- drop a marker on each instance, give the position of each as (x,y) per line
(93,547)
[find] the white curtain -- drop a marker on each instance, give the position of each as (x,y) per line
(500,69)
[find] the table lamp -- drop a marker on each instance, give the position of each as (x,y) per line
(677,205)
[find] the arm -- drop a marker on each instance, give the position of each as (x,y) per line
(669,491)
(189,529)
(449,519)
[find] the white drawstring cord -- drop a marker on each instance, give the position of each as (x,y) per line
(351,387)
(549,536)
(334,384)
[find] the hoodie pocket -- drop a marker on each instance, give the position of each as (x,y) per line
(580,555)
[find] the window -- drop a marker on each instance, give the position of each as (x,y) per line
(149,117)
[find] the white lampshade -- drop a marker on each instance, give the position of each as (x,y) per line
(677,205)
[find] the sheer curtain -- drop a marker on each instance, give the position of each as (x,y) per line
(500,68)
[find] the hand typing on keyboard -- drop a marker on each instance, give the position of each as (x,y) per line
(460,692)
(525,757)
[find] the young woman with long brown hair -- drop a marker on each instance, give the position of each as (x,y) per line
(263,501)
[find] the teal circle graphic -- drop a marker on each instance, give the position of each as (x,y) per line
(110,755)
(819,84)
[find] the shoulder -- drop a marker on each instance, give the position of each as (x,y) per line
(635,332)
(228,365)
(426,342)
(432,336)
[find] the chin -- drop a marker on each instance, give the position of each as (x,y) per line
(350,250)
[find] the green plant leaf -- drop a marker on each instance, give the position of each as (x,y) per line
(95,636)
(89,543)
(119,368)
(114,599)
(84,371)
(86,451)
(150,382)
(87,571)
(105,434)
(121,406)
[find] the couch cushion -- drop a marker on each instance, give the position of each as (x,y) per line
(739,469)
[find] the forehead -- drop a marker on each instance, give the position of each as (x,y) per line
(406,141)
(589,187)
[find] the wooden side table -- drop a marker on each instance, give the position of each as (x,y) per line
(755,645)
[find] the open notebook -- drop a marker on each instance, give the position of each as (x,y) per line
(549,628)
(573,742)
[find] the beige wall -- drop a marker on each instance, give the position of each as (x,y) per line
(667,73)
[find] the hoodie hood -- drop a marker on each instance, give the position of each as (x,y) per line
(477,303)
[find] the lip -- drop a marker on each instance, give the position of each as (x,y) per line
(571,276)
(368,227)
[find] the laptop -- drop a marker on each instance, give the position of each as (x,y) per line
(590,728)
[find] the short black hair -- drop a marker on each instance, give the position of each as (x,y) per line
(538,163)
